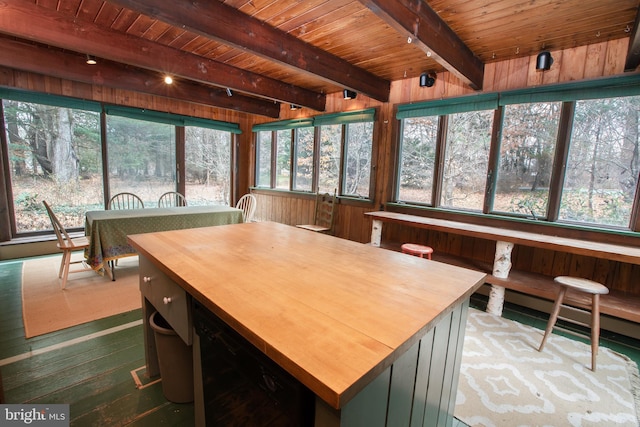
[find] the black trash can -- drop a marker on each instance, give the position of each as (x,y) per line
(175,360)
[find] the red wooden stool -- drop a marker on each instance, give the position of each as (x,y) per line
(582,285)
(417,250)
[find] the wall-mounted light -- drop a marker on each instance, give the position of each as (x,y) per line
(349,94)
(544,61)
(427,79)
(168,80)
(91,60)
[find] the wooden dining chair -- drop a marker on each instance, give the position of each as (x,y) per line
(324,214)
(248,204)
(125,201)
(171,199)
(67,245)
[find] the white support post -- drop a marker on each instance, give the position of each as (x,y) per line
(501,268)
(376,232)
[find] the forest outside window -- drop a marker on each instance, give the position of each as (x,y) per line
(566,154)
(54,154)
(343,143)
(54,150)
(603,164)
(527,148)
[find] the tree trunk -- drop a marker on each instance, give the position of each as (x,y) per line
(64,161)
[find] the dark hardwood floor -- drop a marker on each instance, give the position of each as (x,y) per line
(88,366)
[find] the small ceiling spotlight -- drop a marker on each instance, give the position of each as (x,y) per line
(91,60)
(295,107)
(168,80)
(544,61)
(349,94)
(427,79)
(229,93)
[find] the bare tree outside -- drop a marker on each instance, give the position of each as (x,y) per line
(603,165)
(54,155)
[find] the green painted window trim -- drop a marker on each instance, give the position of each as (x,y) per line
(47,99)
(171,119)
(359,116)
(441,107)
(616,87)
(283,125)
(610,87)
(133,113)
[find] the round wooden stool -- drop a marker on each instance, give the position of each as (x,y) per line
(581,285)
(417,250)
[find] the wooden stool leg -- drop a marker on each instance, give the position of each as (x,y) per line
(595,330)
(554,316)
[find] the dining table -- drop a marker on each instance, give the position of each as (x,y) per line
(107,230)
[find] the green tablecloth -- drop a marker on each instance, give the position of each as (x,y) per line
(108,230)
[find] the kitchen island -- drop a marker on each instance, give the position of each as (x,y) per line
(375,335)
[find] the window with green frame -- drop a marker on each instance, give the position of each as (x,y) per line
(54,148)
(565,153)
(343,143)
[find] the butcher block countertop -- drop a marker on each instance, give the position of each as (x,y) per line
(332,312)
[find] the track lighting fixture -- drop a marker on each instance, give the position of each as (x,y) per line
(229,93)
(168,80)
(544,61)
(349,94)
(91,60)
(427,79)
(294,107)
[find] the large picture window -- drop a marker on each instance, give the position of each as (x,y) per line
(603,164)
(55,150)
(567,153)
(527,148)
(54,155)
(207,166)
(343,143)
(150,169)
(418,159)
(466,159)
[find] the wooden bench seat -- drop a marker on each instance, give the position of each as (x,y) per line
(615,304)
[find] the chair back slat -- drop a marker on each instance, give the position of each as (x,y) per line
(248,204)
(125,201)
(171,199)
(61,233)
(324,210)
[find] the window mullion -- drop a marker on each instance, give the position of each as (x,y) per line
(274,158)
(494,160)
(560,160)
(443,123)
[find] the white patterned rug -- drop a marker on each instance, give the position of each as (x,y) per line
(505,381)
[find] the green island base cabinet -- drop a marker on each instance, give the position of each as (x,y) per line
(338,333)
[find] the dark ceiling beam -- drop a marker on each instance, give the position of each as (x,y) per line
(31,22)
(416,20)
(26,56)
(633,54)
(216,20)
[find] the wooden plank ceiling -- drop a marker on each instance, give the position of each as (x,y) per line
(267,52)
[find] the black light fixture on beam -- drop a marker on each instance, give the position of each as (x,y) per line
(544,61)
(294,107)
(91,60)
(427,79)
(349,94)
